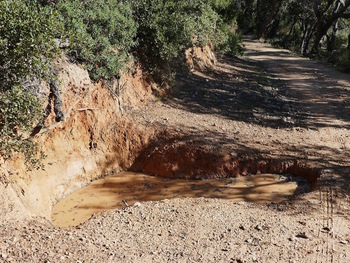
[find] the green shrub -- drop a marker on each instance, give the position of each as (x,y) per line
(339,58)
(228,41)
(27,45)
(227,9)
(167,27)
(341,41)
(18,111)
(101,34)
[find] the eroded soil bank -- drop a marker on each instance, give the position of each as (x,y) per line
(95,139)
(266,105)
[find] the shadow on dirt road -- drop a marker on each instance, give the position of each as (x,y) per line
(268,87)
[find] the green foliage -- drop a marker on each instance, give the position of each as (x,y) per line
(227,9)
(340,58)
(168,27)
(27,45)
(101,34)
(343,60)
(341,40)
(18,111)
(228,41)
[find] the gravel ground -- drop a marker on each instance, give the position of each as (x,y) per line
(185,230)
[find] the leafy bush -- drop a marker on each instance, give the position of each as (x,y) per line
(18,111)
(227,9)
(340,58)
(101,34)
(228,42)
(27,45)
(167,27)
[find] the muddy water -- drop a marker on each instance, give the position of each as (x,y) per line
(127,188)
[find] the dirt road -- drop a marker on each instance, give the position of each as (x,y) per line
(322,95)
(268,104)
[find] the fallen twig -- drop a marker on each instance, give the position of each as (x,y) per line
(84,109)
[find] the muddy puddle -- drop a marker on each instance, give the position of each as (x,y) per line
(125,189)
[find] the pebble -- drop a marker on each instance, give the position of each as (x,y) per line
(249,240)
(292,238)
(137,204)
(302,235)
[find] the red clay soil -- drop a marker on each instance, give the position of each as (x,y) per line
(173,158)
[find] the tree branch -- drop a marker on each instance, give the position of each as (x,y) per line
(316,8)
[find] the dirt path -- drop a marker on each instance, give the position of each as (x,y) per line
(322,94)
(268,104)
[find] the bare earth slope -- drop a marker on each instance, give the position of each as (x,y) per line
(268,104)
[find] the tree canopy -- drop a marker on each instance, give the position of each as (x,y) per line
(305,26)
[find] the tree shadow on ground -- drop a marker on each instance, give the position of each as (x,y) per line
(322,94)
(232,92)
(245,90)
(242,90)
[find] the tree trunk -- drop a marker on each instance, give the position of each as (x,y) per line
(324,22)
(292,30)
(349,41)
(308,32)
(266,11)
(321,30)
(247,20)
(333,37)
(55,96)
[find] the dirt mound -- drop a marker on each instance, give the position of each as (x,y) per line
(178,158)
